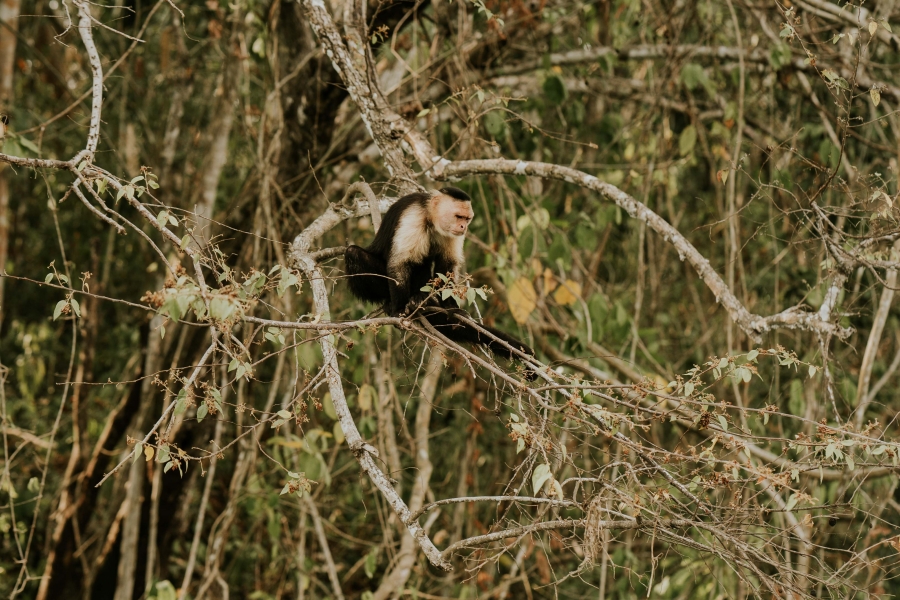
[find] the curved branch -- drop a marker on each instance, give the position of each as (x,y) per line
(753,325)
(365,454)
(387,128)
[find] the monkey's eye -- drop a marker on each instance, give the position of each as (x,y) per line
(465,218)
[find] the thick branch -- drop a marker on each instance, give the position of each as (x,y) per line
(365,454)
(388,129)
(84,28)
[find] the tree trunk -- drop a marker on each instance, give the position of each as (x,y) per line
(9,16)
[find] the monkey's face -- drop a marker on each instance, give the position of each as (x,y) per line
(451,216)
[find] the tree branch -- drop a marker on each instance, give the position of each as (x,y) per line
(753,325)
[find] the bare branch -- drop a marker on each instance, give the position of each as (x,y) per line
(753,325)
(168,409)
(84,29)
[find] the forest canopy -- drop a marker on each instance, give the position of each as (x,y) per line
(688,210)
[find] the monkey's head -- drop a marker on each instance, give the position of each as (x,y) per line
(451,211)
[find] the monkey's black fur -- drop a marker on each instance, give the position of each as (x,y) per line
(367,267)
(370,281)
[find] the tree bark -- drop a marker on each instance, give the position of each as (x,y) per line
(9,15)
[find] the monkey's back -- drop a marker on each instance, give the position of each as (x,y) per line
(384,239)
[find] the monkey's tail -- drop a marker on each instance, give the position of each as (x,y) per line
(445,321)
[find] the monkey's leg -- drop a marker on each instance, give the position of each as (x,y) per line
(404,300)
(367,275)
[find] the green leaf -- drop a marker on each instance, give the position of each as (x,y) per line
(202,411)
(371,562)
(28,144)
(165,591)
(162,453)
(791,503)
(138,451)
(723,422)
(687,140)
(495,124)
(287,280)
(221,308)
(11,146)
(752,355)
(181,402)
(366,398)
(328,406)
(540,476)
(59,308)
(780,55)
(875,95)
(75,307)
(555,89)
(48,278)
(259,47)
(692,75)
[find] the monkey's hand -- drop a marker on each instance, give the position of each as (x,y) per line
(416,301)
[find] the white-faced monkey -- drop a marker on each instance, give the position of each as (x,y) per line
(421,235)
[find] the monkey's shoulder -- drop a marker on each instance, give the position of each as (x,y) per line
(408,213)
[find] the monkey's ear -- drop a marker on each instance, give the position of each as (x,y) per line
(455,192)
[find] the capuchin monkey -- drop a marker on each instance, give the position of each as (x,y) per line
(421,235)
